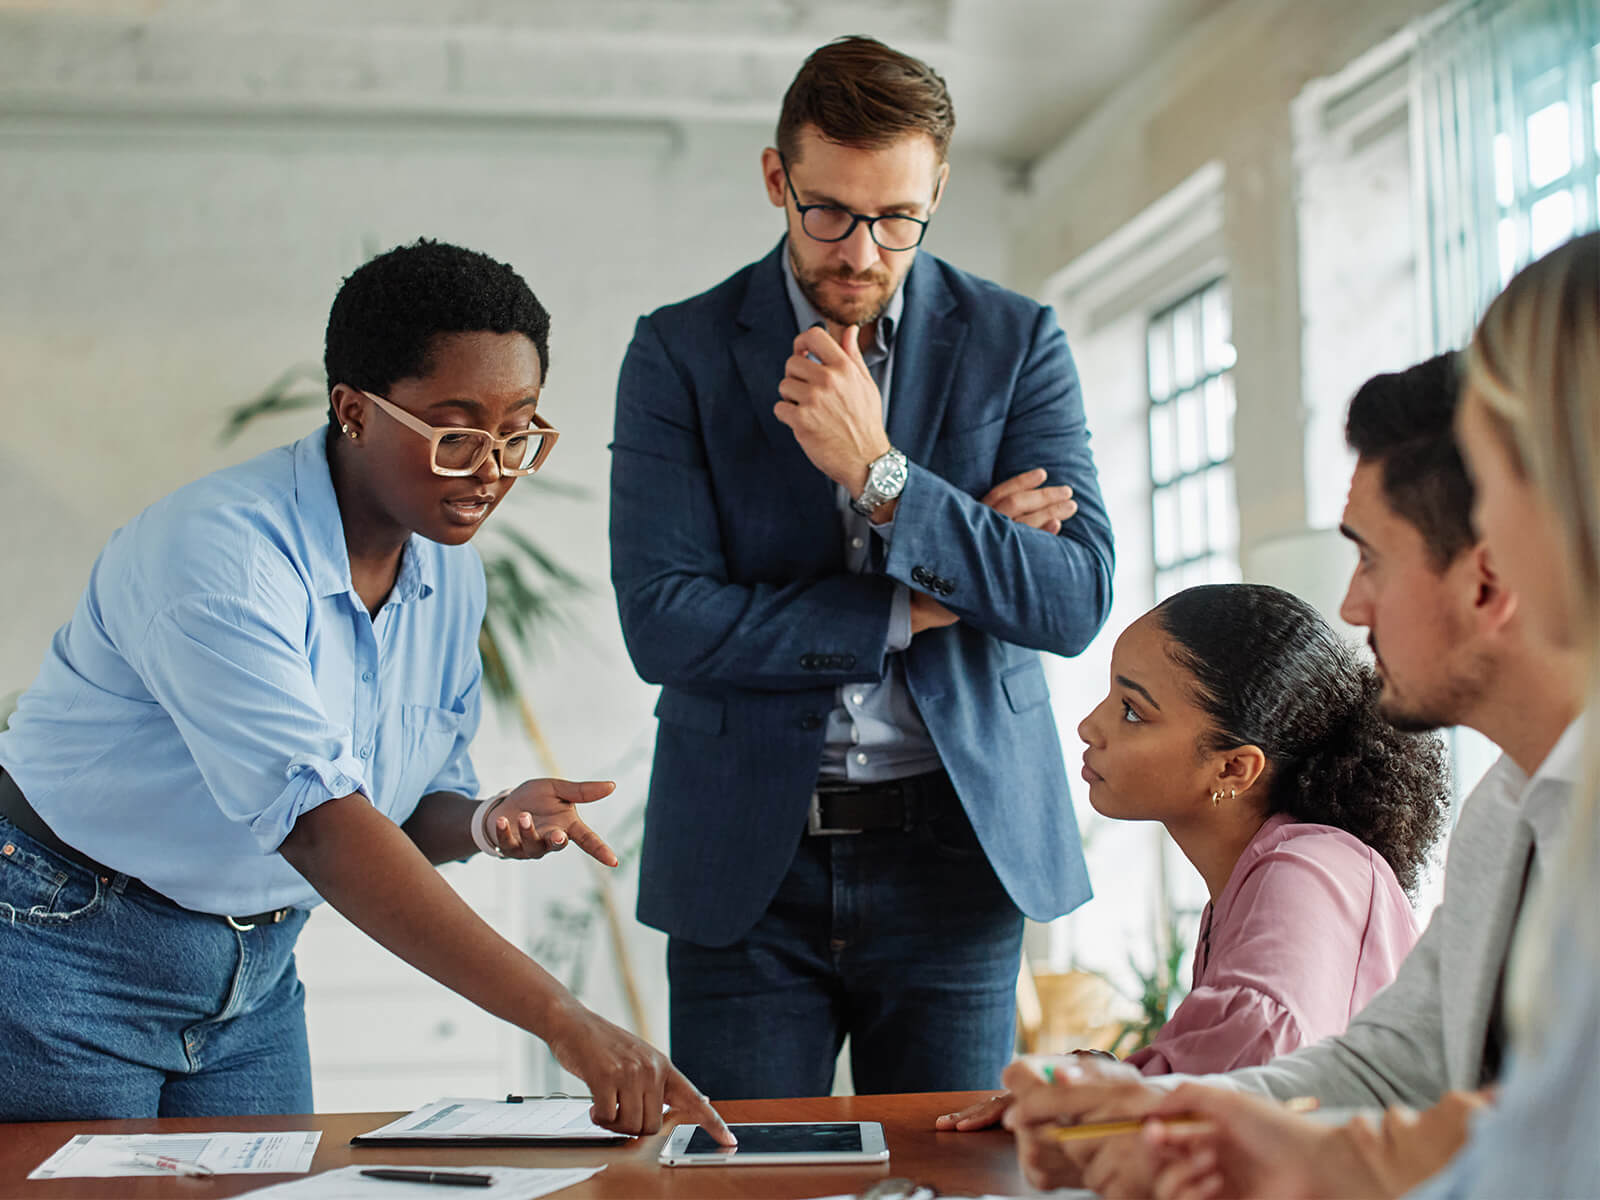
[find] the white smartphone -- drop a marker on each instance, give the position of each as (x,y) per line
(778,1143)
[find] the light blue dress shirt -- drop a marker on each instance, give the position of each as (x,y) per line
(221,676)
(874,732)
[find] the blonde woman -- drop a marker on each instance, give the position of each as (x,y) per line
(1529,428)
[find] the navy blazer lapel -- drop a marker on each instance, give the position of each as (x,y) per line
(927,349)
(763,343)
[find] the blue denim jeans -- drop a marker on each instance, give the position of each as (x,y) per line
(906,941)
(115,1003)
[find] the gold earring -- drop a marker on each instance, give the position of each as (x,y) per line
(1216,798)
(350,433)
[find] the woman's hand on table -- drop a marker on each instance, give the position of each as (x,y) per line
(985,1114)
(629,1079)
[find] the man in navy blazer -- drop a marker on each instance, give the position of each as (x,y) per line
(851,500)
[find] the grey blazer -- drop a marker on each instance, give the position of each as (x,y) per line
(1427,1032)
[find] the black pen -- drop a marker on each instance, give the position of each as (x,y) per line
(453,1178)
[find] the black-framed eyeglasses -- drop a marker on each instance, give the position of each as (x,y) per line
(830,223)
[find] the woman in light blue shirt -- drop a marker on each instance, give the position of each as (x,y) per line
(264,699)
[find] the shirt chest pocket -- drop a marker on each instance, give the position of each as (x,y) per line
(427,739)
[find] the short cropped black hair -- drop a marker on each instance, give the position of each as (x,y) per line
(1403,422)
(389,311)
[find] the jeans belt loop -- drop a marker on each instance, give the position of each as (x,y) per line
(245,924)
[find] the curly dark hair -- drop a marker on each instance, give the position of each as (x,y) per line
(1269,671)
(389,311)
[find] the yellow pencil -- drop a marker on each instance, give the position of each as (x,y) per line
(1099,1129)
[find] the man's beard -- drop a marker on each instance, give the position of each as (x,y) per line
(867,309)
(1448,702)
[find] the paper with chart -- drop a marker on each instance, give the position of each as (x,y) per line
(90,1155)
(459,1120)
(347,1183)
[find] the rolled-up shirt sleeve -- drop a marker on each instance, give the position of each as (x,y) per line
(1220,1028)
(241,693)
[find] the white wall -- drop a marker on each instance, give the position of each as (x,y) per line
(1221,95)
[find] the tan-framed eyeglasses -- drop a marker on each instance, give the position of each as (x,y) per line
(457,451)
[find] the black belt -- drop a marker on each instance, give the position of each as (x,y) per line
(15,808)
(841,807)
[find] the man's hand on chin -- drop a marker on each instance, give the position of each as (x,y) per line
(832,406)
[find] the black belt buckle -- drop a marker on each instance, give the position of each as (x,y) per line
(814,825)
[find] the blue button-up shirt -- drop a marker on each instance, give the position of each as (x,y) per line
(221,676)
(874,731)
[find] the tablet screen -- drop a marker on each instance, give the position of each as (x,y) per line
(819,1137)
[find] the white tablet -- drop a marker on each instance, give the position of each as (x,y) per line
(779,1143)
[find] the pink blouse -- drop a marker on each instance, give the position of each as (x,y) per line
(1311,926)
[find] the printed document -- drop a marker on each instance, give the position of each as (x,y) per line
(458,1120)
(347,1183)
(101,1154)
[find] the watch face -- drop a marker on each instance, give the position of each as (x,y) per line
(888,475)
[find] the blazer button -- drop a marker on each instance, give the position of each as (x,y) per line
(919,575)
(810,722)
(946,587)
(849,661)
(808,662)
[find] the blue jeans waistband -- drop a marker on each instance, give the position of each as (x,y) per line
(15,808)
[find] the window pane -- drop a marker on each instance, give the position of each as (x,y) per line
(1222,516)
(1216,327)
(1163,460)
(1508,249)
(1549,144)
(1219,418)
(1164,514)
(1159,342)
(1192,515)
(1185,346)
(1191,431)
(1223,570)
(1594,103)
(1166,584)
(1505,188)
(1550,222)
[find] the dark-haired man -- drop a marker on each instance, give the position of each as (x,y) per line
(852,497)
(1451,650)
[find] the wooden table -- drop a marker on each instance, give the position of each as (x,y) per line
(964,1163)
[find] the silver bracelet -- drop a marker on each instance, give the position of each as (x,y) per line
(479,823)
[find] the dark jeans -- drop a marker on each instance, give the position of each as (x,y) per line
(906,941)
(114,1003)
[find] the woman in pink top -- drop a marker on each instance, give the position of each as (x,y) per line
(1241,721)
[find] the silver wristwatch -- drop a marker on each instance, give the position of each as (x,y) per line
(886,479)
